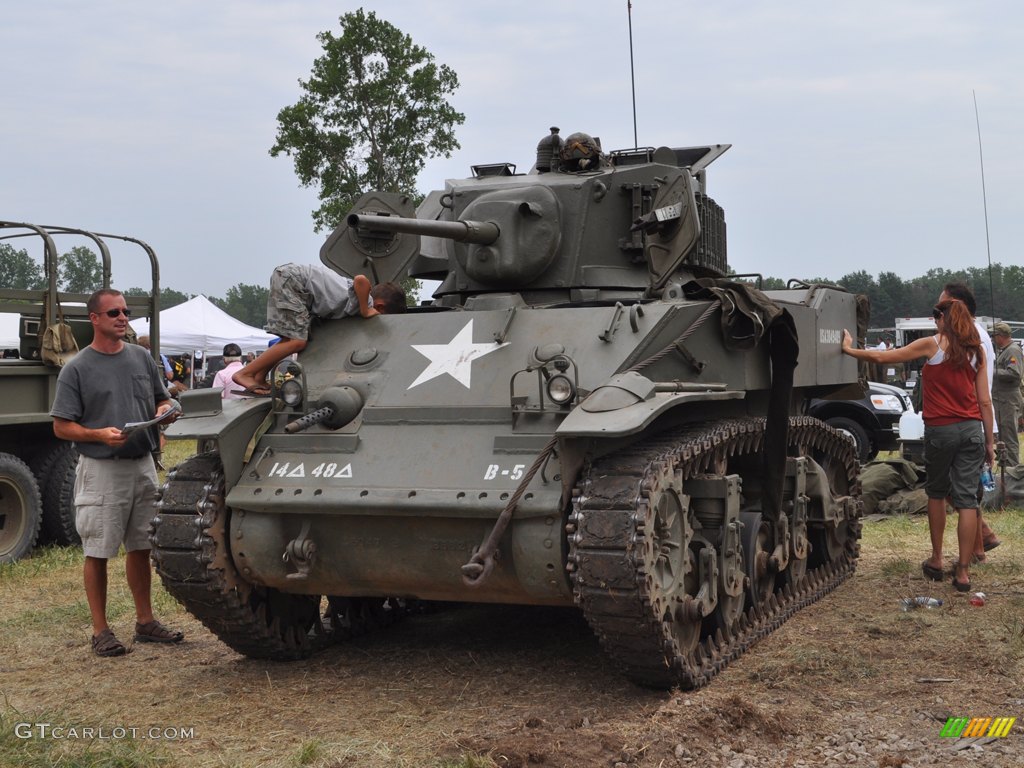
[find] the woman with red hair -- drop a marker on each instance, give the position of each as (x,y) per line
(957,410)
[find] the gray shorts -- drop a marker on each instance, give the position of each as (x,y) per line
(953,455)
(288,304)
(114,504)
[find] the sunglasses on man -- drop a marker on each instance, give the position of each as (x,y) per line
(115,312)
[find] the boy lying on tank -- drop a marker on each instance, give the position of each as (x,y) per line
(298,292)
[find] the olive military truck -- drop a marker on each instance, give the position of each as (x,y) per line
(588,413)
(37,471)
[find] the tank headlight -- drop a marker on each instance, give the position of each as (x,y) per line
(561,389)
(291,392)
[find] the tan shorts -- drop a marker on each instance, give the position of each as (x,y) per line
(288,304)
(114,504)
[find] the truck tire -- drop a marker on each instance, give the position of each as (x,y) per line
(54,469)
(21,509)
(865,452)
(59,499)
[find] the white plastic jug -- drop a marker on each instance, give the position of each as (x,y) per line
(911,426)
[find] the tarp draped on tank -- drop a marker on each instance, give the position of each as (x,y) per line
(748,315)
(199,324)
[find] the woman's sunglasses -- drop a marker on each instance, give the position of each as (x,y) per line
(936,313)
(116,312)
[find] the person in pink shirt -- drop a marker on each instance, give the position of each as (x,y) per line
(232,363)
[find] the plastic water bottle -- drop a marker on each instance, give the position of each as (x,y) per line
(987,481)
(910,603)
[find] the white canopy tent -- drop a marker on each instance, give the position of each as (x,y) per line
(199,325)
(9,338)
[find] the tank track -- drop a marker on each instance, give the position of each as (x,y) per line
(191,553)
(608,533)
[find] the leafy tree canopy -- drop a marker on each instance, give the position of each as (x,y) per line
(168,296)
(892,296)
(247,303)
(18,270)
(79,271)
(373,111)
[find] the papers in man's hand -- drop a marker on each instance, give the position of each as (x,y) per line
(134,426)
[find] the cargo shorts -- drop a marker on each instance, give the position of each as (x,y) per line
(114,504)
(288,304)
(953,456)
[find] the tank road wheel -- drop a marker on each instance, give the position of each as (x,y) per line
(757,548)
(674,573)
(20,509)
(834,524)
(192,555)
(729,610)
(799,548)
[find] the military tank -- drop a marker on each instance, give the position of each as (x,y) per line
(589,412)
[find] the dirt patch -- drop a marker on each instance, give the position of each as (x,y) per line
(849,680)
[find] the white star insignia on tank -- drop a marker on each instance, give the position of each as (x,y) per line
(454,358)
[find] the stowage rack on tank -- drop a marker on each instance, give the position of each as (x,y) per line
(191,551)
(621,552)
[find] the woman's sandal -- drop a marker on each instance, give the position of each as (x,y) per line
(960,586)
(155,632)
(931,572)
(105,644)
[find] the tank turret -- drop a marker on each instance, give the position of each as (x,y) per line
(583,226)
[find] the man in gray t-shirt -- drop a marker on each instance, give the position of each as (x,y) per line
(105,386)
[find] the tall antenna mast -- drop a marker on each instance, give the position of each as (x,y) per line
(984,202)
(632,78)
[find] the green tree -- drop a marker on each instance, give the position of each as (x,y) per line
(247,303)
(79,271)
(168,296)
(373,111)
(859,282)
(18,270)
(412,287)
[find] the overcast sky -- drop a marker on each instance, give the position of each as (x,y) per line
(853,126)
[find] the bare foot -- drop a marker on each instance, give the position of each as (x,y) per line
(250,384)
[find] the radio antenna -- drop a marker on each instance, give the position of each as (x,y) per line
(984,204)
(632,78)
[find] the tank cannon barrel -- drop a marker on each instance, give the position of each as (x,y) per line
(475,232)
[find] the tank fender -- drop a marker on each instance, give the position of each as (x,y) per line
(230,424)
(629,402)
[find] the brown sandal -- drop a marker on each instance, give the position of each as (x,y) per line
(105,644)
(155,632)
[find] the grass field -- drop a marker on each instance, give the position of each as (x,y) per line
(473,688)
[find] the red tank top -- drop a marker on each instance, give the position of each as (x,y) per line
(948,393)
